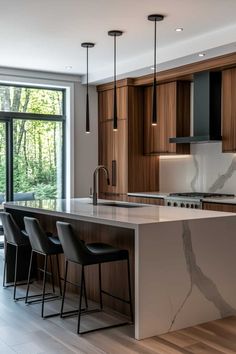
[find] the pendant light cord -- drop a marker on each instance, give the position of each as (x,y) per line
(115,98)
(87,45)
(114,33)
(87,70)
(155,52)
(114,60)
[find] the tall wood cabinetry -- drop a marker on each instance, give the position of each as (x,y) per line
(173,114)
(122,150)
(113,145)
(229,110)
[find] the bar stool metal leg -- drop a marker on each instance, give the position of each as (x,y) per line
(58,275)
(28,281)
(130,298)
(100,285)
(15,274)
(4,270)
(80,298)
(52,277)
(44,284)
(85,293)
(64,288)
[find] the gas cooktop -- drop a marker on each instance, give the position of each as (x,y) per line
(192,199)
(200,195)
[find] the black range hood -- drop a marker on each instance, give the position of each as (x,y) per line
(207,109)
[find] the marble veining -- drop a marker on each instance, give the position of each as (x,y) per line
(196,175)
(197,277)
(207,170)
(223,178)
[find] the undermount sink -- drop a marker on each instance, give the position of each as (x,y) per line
(119,205)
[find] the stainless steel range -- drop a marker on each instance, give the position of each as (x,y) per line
(191,200)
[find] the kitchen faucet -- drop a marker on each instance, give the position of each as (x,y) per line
(100,167)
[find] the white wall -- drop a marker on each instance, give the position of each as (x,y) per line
(207,169)
(86,145)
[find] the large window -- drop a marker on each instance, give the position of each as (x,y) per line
(32,126)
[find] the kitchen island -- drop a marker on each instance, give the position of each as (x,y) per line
(183,261)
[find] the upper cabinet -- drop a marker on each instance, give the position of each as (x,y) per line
(229,110)
(106,104)
(173,114)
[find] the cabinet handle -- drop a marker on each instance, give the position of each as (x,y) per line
(113,174)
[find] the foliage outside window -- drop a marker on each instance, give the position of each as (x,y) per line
(30,100)
(37,141)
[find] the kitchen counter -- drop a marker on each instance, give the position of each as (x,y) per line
(182,261)
(149,195)
(140,214)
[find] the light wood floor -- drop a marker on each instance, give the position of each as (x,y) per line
(23,331)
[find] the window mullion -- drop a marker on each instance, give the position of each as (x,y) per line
(9,160)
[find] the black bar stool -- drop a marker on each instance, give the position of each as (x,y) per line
(17,238)
(77,251)
(48,247)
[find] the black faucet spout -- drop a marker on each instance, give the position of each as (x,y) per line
(95,184)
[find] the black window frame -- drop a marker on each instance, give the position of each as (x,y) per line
(7,117)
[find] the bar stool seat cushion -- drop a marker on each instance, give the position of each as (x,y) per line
(54,246)
(25,238)
(104,252)
(55,240)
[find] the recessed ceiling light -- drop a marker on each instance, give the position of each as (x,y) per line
(201,54)
(179,29)
(68,67)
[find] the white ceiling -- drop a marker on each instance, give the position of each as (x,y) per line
(45,35)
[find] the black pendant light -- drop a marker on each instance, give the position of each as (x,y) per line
(115,33)
(87,45)
(155,18)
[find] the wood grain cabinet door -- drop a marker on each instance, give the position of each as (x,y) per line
(173,118)
(155,137)
(114,155)
(105,104)
(229,110)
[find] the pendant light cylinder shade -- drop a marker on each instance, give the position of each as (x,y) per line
(115,33)
(87,45)
(155,18)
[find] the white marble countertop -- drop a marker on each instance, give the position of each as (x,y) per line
(149,194)
(83,209)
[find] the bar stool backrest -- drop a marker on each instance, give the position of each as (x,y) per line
(74,249)
(12,231)
(38,238)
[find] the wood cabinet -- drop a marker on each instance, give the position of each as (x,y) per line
(152,201)
(173,114)
(229,208)
(122,151)
(229,110)
(106,99)
(113,153)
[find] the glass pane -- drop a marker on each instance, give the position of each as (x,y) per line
(30,100)
(2,162)
(37,159)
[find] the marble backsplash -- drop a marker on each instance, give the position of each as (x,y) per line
(207,169)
